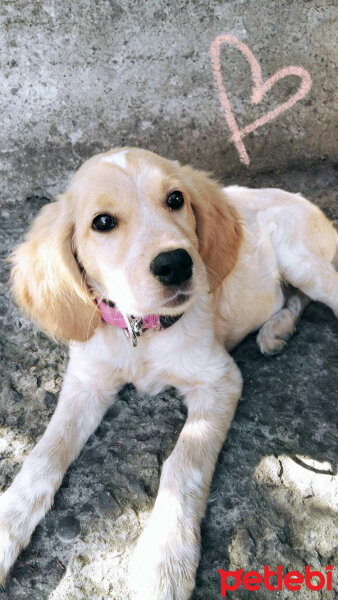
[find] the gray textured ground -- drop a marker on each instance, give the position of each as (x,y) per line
(274,494)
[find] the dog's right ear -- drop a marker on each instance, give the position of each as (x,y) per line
(46,279)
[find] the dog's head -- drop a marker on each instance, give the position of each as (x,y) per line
(133,228)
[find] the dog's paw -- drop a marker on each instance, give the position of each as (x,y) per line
(9,550)
(269,346)
(164,565)
(10,530)
(274,335)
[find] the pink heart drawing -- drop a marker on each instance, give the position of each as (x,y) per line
(260,88)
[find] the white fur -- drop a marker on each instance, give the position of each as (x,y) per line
(117,158)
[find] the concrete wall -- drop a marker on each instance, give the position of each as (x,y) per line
(80,77)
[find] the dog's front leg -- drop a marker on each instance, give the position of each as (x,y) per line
(167,554)
(81,405)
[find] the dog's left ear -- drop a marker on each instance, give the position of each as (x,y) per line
(217,225)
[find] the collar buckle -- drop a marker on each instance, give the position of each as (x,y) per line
(136,328)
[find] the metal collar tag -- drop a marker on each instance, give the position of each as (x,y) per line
(135,328)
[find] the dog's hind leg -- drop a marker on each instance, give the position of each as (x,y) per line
(305,244)
(276,332)
(314,275)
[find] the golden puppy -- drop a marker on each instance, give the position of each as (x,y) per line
(152,271)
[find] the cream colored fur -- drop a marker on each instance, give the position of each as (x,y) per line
(245,245)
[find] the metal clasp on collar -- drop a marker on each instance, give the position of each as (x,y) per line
(136,328)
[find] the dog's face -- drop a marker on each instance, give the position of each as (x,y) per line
(133,228)
(135,233)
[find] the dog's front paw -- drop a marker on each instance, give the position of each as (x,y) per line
(12,531)
(164,564)
(9,550)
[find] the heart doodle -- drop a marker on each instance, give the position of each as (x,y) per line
(260,88)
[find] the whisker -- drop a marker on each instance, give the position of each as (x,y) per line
(92,317)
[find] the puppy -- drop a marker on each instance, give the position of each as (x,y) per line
(151,271)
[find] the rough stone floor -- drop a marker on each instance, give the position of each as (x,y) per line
(274,494)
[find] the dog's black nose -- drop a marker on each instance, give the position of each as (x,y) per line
(173,267)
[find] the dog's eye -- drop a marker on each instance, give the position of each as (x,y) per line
(104,223)
(175,200)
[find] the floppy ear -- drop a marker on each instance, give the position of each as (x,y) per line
(217,225)
(46,279)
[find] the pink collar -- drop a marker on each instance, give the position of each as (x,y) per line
(136,325)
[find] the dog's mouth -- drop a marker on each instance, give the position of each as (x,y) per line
(177,299)
(173,302)
(177,302)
